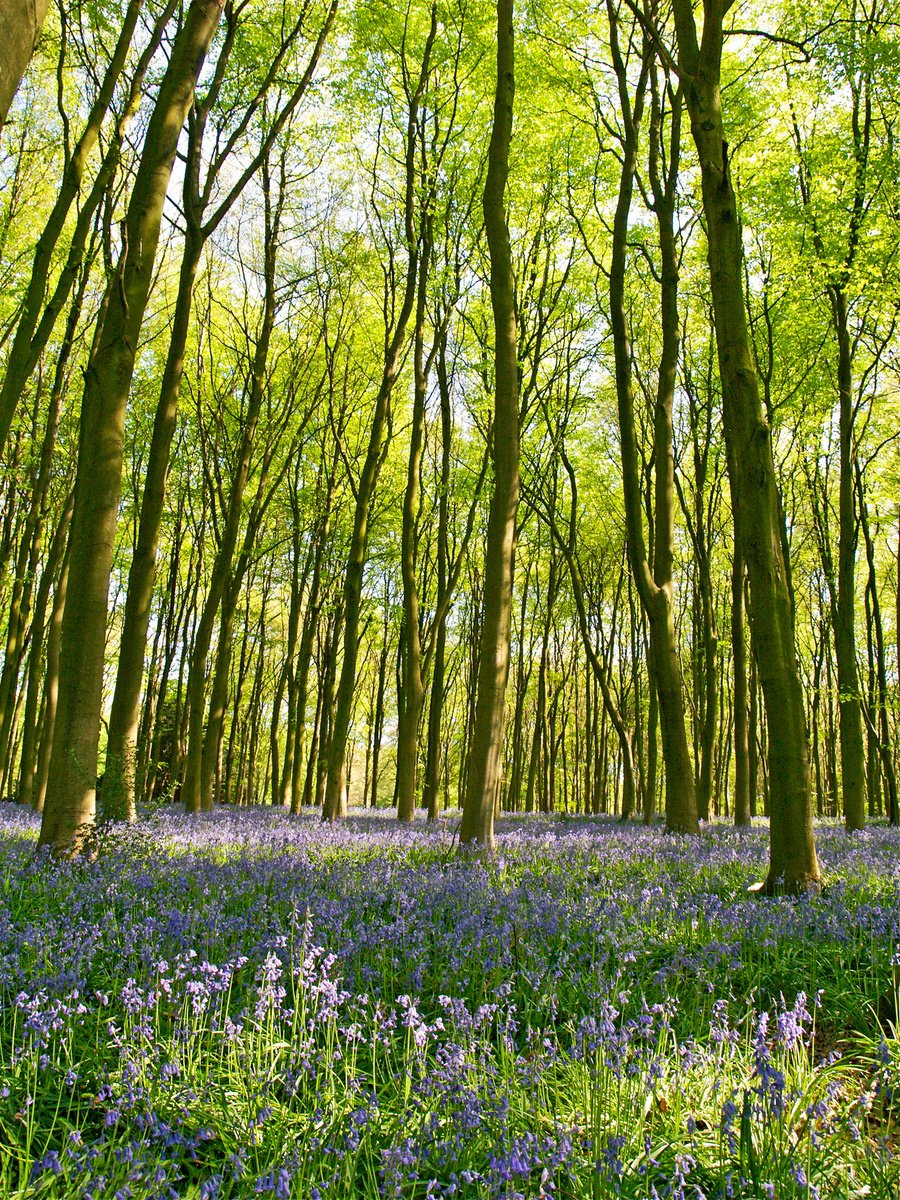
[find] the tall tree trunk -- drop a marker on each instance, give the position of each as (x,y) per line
(486,761)
(29,756)
(51,687)
(793,865)
(378,721)
(71,788)
(881,731)
(119,781)
(436,701)
(359,542)
(654,586)
(853,759)
(413,692)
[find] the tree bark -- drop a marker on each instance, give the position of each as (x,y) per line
(739,683)
(793,865)
(20,28)
(71,788)
(486,761)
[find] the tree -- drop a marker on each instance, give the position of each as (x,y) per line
(365,489)
(201,218)
(793,865)
(486,764)
(70,804)
(20,27)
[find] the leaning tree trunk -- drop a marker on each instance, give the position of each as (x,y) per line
(793,865)
(486,761)
(119,782)
(71,787)
(42,303)
(20,27)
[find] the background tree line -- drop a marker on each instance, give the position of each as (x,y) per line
(250,359)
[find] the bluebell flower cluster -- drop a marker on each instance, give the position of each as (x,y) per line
(251,1005)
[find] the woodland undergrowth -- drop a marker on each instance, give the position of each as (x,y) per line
(249,1004)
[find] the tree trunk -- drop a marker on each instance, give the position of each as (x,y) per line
(793,865)
(71,788)
(739,682)
(20,27)
(356,559)
(853,758)
(881,731)
(654,588)
(51,688)
(29,756)
(486,761)
(413,693)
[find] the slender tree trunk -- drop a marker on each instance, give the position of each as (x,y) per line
(413,693)
(486,761)
(882,731)
(30,745)
(210,754)
(853,761)
(356,559)
(654,588)
(741,714)
(51,687)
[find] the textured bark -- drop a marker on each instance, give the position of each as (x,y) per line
(486,762)
(793,865)
(71,797)
(20,28)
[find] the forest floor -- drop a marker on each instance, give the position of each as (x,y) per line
(249,1004)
